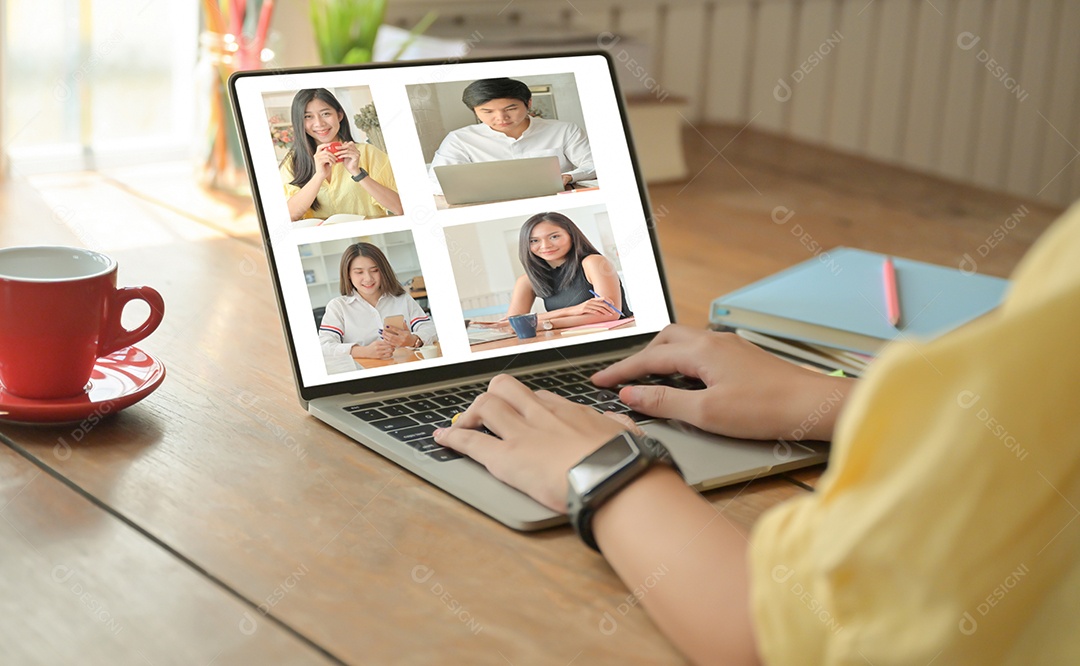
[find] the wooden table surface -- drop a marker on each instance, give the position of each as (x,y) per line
(215,522)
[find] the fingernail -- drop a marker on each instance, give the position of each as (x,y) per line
(629,394)
(438,432)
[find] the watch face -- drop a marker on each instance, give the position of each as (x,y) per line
(600,465)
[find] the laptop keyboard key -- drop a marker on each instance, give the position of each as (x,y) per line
(615,407)
(605,396)
(366,405)
(423,445)
(396,410)
(448,400)
(421,405)
(369,414)
(429,417)
(547,382)
(419,432)
(638,417)
(396,401)
(443,455)
(582,400)
(449,412)
(389,425)
(470,395)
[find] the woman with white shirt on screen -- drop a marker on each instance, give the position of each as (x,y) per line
(370,293)
(506,132)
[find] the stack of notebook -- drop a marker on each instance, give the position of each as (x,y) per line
(831,310)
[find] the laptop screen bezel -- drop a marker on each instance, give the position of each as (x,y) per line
(426,376)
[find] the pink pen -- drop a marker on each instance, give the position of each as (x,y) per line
(892,299)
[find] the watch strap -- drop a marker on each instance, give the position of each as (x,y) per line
(654,452)
(360,176)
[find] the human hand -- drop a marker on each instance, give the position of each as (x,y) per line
(380,349)
(540,437)
(567,179)
(398,337)
(593,306)
(324,160)
(749,392)
(350,155)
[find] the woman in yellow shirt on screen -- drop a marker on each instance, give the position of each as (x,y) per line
(327,173)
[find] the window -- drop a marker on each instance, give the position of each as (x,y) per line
(91,84)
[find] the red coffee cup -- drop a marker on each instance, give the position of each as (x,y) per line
(59,312)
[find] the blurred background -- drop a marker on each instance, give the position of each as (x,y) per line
(983,92)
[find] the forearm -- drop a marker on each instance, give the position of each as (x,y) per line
(300,203)
(686,563)
(386,197)
(566,321)
(813,404)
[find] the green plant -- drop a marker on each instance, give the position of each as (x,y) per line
(345,29)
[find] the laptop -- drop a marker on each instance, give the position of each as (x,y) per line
(468,259)
(499,180)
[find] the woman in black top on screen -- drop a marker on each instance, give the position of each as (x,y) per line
(562,267)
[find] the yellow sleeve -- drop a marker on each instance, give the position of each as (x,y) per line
(945,529)
(287,175)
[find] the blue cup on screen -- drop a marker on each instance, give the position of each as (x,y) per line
(524,325)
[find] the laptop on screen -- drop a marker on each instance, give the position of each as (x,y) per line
(423,275)
(499,180)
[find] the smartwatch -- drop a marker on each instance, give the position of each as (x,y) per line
(360,176)
(600,475)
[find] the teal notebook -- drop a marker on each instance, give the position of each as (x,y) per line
(838,299)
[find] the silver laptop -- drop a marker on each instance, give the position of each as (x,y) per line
(468,260)
(500,180)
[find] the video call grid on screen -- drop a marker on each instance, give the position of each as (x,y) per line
(618,196)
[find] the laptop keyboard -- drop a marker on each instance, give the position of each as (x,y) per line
(413,419)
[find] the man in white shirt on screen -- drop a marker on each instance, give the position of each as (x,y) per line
(508,132)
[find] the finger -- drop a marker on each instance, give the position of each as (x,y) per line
(626,422)
(663,356)
(492,412)
(664,402)
(519,396)
(473,443)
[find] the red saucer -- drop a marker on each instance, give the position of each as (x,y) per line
(119,380)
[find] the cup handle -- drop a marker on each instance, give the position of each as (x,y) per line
(115,335)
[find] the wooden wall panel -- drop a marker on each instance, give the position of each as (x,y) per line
(1062,141)
(1000,46)
(811,98)
(963,93)
(1028,130)
(897,87)
(728,62)
(855,58)
(891,81)
(772,60)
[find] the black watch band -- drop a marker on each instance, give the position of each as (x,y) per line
(583,507)
(360,176)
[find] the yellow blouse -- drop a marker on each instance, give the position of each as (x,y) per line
(946,528)
(342,194)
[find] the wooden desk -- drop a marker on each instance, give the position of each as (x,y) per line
(541,336)
(401,355)
(216,521)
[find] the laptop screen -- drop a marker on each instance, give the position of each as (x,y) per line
(389,273)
